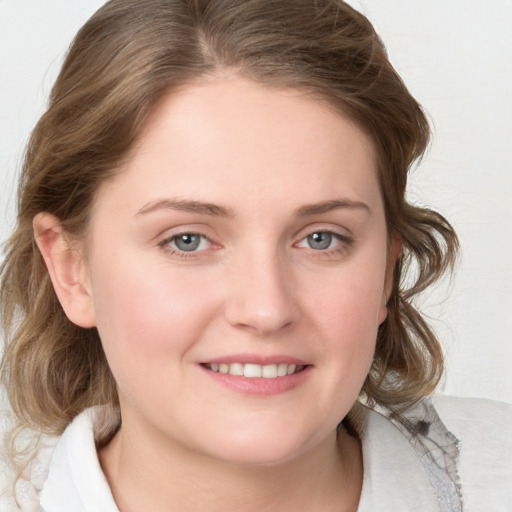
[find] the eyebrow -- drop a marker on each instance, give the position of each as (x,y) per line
(215,210)
(186,206)
(333,204)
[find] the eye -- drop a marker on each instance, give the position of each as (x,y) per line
(321,240)
(188,242)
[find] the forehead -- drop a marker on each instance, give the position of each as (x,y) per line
(233,141)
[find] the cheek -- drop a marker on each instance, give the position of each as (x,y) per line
(347,310)
(354,299)
(144,316)
(350,326)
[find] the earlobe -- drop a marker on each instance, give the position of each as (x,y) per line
(66,268)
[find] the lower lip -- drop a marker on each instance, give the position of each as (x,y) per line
(259,385)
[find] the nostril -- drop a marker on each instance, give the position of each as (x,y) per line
(262,297)
(261,315)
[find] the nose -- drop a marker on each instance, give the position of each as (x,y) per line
(261,295)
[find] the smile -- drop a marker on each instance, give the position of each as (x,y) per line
(250,370)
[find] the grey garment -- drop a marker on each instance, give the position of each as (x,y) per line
(410,461)
(437,449)
(409,466)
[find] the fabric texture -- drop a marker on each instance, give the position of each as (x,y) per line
(445,455)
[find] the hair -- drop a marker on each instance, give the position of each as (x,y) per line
(126,58)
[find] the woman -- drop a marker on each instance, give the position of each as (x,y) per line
(204,296)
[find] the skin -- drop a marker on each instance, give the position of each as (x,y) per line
(255,287)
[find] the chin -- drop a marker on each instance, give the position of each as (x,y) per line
(258,446)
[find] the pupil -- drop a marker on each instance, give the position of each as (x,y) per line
(320,240)
(188,242)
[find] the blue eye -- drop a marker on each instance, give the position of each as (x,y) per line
(321,240)
(188,242)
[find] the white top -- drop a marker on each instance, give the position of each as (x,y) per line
(460,460)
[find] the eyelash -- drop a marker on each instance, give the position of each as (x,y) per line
(175,251)
(344,243)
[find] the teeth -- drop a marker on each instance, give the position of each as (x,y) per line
(282,370)
(236,369)
(252,370)
(268,371)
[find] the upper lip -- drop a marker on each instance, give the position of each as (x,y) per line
(256,359)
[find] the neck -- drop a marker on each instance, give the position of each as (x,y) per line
(142,476)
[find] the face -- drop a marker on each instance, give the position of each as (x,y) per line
(237,268)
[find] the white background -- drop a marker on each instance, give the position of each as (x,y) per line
(456,58)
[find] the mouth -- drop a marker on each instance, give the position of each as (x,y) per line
(251,370)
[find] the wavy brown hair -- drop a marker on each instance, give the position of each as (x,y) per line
(122,62)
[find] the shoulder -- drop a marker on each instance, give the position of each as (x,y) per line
(62,472)
(472,415)
(19,492)
(484,432)
(7,473)
(454,453)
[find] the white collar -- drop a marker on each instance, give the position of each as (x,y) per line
(394,478)
(394,475)
(75,480)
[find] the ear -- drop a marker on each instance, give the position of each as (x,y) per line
(67,269)
(395,251)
